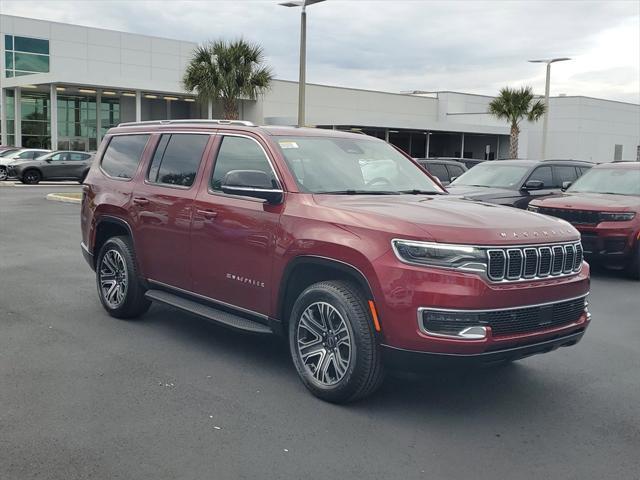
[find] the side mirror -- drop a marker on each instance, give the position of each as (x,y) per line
(251,183)
(48,160)
(533,185)
(566,185)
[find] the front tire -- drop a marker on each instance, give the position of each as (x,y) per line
(333,343)
(119,288)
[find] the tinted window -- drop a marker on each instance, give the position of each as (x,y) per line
(565,174)
(177,159)
(543,174)
(455,170)
(238,153)
(58,157)
(78,157)
(439,171)
(123,155)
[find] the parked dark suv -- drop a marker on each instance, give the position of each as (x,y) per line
(516,182)
(444,170)
(335,240)
(60,165)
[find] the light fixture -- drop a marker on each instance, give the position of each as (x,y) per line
(128,94)
(60,89)
(150,96)
(86,90)
(171,98)
(107,92)
(29,86)
(189,99)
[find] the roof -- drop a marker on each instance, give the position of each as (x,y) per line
(531,163)
(619,166)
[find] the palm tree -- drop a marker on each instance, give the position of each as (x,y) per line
(227,70)
(513,105)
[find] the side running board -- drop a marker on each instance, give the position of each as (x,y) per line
(210,313)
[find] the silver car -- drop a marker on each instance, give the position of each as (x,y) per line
(59,165)
(18,154)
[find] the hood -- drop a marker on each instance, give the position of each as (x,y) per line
(481,193)
(447,219)
(604,202)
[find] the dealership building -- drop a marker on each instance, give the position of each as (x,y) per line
(65,85)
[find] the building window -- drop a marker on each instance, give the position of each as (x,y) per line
(25,55)
(35,117)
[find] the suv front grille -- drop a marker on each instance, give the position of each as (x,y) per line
(576,217)
(511,264)
(510,321)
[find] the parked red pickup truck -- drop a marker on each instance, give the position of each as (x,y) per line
(335,240)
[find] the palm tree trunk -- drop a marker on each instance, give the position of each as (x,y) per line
(230,109)
(513,147)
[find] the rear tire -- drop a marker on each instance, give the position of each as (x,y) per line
(119,287)
(31,177)
(333,343)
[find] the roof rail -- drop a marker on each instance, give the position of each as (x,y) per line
(174,122)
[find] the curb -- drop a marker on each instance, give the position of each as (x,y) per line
(61,197)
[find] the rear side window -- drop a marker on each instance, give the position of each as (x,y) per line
(177,159)
(123,154)
(240,153)
(438,170)
(544,175)
(565,174)
(78,157)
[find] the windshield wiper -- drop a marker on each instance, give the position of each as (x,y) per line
(416,191)
(358,192)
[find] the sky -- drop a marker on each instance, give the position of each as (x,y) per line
(399,45)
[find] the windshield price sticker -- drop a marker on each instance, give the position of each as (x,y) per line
(285,145)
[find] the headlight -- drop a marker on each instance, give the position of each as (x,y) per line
(616,216)
(463,257)
(533,208)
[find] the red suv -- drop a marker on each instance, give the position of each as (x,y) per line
(335,240)
(604,205)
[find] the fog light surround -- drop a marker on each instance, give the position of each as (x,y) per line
(459,325)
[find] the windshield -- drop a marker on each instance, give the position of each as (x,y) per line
(7,153)
(620,181)
(352,166)
(492,174)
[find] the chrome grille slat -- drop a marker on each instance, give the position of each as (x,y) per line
(536,261)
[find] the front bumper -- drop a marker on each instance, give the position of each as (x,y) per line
(608,244)
(411,360)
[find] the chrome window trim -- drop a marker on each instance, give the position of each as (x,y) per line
(213,300)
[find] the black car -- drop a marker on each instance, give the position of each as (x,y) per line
(444,170)
(467,162)
(60,165)
(516,182)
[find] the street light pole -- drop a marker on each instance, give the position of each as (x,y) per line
(302,80)
(547,86)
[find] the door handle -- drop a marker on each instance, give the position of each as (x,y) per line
(209,214)
(140,201)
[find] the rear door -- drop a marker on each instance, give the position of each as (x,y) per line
(162,206)
(233,238)
(77,164)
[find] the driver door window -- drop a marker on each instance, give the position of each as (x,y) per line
(240,153)
(544,175)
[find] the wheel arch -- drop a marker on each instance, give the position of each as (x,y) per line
(30,169)
(306,270)
(107,227)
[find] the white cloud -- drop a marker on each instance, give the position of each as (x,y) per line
(475,46)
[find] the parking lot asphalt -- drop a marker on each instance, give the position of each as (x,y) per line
(83,395)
